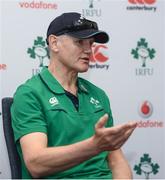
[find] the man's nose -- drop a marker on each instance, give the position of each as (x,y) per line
(88,48)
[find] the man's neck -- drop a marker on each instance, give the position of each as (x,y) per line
(67,79)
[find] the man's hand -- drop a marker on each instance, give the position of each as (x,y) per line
(109,139)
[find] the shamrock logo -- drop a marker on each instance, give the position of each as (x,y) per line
(39,49)
(146,166)
(143,52)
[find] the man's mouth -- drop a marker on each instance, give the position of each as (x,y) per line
(85,59)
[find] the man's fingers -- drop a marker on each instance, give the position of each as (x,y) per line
(120,129)
(112,138)
(129,126)
(102,121)
(132,124)
(122,139)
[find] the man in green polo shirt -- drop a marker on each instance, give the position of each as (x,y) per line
(62,123)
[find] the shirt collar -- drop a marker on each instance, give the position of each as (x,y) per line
(81,86)
(55,86)
(51,82)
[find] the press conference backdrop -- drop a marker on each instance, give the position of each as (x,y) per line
(130,67)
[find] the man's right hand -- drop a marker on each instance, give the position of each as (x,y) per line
(109,139)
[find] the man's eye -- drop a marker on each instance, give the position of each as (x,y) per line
(80,41)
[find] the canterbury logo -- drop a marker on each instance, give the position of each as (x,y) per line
(142,1)
(53,101)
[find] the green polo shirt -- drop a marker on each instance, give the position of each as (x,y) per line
(41,105)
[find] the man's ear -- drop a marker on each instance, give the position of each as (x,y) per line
(52,39)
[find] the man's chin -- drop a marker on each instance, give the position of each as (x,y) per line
(85,69)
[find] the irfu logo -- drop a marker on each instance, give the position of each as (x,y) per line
(39,49)
(91,2)
(143,52)
(146,167)
(93,9)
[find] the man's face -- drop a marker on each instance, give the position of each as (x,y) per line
(74,53)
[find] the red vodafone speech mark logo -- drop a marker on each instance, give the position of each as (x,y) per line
(97,54)
(142,1)
(146,109)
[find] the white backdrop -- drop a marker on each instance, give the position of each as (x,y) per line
(130,67)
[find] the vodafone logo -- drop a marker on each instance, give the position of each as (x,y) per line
(146,109)
(142,1)
(99,57)
(38,5)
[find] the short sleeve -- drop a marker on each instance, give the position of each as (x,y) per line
(26,113)
(108,110)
